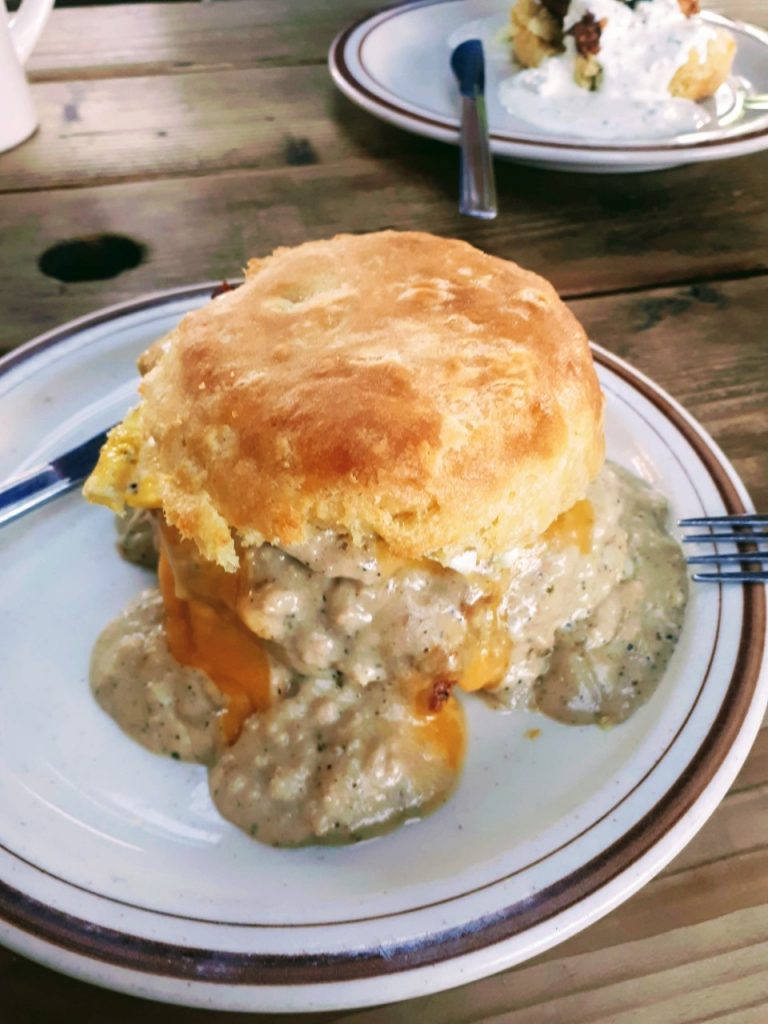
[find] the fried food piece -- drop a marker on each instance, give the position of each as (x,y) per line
(689,7)
(536,33)
(697,79)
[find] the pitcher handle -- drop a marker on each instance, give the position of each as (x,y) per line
(27,25)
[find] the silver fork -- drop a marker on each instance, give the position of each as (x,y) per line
(749,529)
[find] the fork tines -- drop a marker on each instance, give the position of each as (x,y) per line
(748,520)
(730,530)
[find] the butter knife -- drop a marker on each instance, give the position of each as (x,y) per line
(38,486)
(478,186)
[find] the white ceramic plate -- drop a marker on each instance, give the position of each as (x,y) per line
(114,865)
(395,64)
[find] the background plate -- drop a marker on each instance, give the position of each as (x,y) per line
(114,865)
(373,63)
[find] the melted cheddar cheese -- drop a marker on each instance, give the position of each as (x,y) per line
(207,636)
(486,654)
(118,480)
(443,729)
(574,526)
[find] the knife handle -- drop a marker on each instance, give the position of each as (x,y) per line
(30,492)
(38,486)
(478,186)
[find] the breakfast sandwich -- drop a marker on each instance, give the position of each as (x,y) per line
(374,476)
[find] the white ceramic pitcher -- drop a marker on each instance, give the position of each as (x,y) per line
(18,35)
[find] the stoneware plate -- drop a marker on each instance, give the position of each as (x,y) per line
(114,866)
(395,64)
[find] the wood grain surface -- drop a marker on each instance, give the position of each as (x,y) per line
(208,133)
(618,233)
(181,38)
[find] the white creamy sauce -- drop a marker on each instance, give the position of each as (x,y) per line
(346,750)
(640,51)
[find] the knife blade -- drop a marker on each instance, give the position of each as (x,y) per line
(27,491)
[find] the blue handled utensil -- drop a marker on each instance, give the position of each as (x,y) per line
(478,186)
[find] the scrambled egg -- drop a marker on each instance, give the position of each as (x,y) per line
(119,480)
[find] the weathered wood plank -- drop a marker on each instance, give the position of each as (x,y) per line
(672,975)
(755,771)
(742,828)
(705,343)
(679,899)
(113,129)
(625,235)
(181,38)
(95,131)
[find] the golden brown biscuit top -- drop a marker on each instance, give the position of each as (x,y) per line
(390,384)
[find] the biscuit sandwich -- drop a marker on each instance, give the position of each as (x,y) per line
(349,462)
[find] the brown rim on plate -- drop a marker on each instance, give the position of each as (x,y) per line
(337,59)
(124,950)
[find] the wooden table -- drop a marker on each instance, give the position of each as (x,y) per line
(210,133)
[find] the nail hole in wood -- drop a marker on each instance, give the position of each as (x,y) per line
(94,258)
